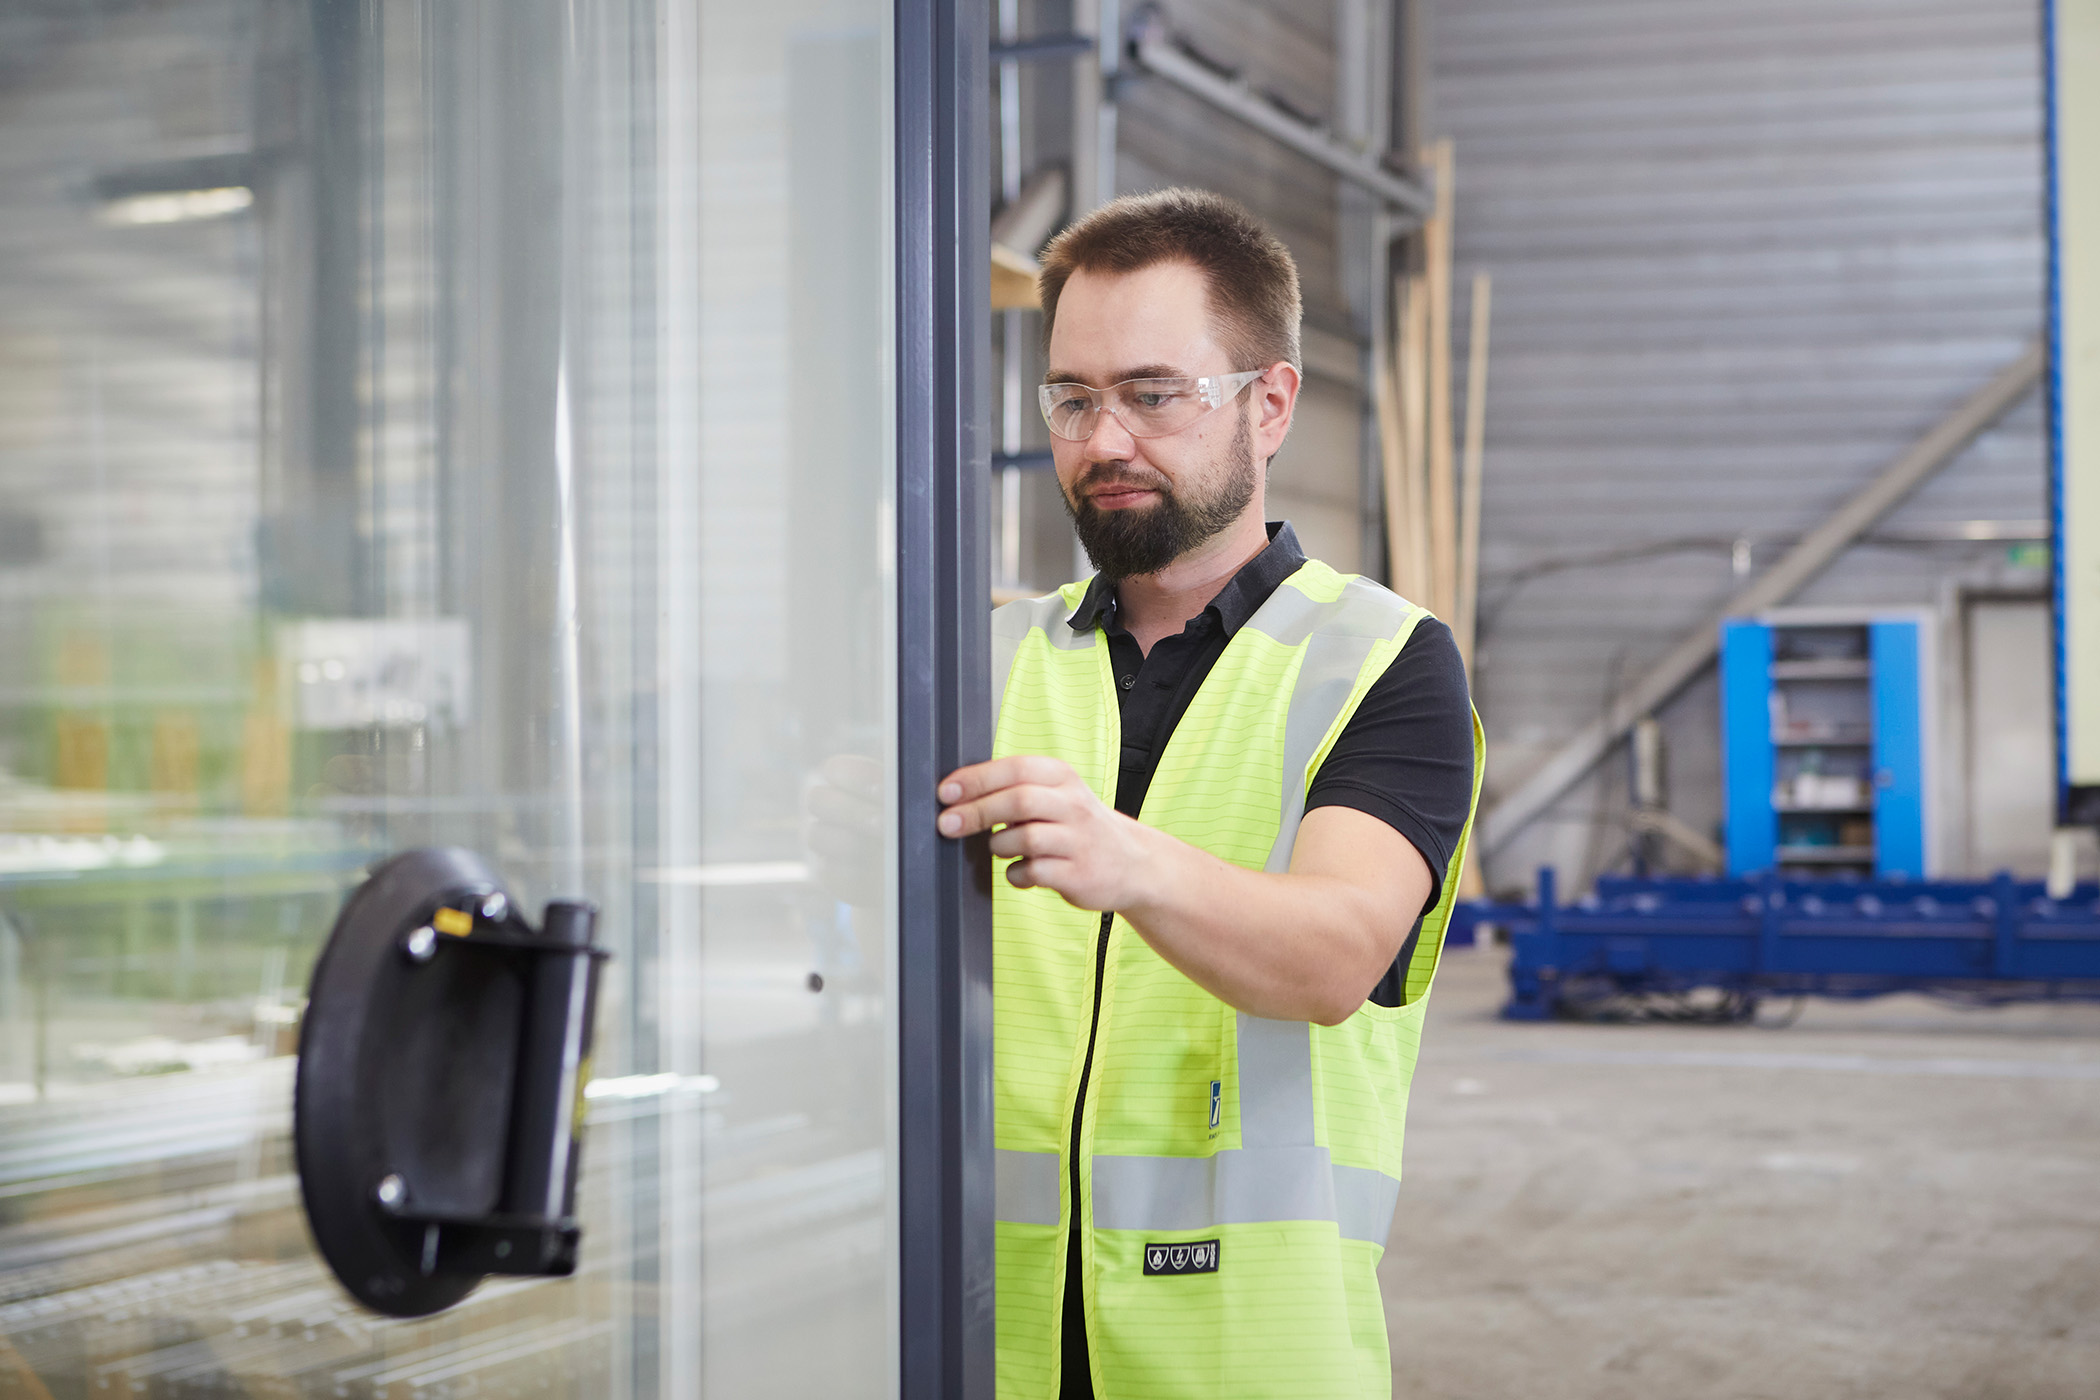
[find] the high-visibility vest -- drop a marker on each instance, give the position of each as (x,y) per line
(1236,1176)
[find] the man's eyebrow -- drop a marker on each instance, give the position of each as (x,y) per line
(1065,376)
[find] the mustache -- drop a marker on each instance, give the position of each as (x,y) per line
(1103,474)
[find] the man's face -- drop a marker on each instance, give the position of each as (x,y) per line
(1140,503)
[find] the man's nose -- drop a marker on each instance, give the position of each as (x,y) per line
(1110,440)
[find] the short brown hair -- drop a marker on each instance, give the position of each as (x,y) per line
(1252,281)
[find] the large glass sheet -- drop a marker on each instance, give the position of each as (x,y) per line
(447,422)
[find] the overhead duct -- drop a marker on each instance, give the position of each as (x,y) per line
(1158,53)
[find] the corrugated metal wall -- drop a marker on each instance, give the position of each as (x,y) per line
(1743,256)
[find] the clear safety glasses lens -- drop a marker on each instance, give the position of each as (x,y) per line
(1146,408)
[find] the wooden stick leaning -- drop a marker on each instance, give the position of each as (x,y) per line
(1472,884)
(1391,451)
(1465,619)
(1414,417)
(1441,483)
(1387,414)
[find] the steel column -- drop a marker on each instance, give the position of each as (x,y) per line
(944,984)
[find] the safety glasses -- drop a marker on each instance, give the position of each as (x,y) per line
(1147,408)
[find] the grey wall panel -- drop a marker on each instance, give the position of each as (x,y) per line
(1743,256)
(1313,479)
(2009,742)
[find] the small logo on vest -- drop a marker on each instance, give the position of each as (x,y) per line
(1200,1257)
(1217,1094)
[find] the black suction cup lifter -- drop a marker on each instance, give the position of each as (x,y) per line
(438,1114)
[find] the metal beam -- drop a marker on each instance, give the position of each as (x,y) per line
(945,1258)
(1160,56)
(1031,460)
(1042,47)
(1807,559)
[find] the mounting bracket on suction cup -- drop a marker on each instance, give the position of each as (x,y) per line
(438,1113)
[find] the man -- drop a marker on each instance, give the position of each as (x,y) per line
(1230,790)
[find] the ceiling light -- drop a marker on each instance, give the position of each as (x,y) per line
(177,206)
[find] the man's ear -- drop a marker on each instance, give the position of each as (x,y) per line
(1274,405)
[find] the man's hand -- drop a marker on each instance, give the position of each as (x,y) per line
(1307,945)
(1062,836)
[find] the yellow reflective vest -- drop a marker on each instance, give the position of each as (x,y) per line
(1233,1177)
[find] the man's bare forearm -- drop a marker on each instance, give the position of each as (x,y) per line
(1307,945)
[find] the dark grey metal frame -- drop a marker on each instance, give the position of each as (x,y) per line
(944,951)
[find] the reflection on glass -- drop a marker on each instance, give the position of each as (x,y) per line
(455,423)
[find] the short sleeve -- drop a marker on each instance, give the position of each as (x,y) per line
(1406,755)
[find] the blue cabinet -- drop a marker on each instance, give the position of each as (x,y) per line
(1747,752)
(1825,721)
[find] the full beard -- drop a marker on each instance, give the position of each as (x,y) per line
(1125,543)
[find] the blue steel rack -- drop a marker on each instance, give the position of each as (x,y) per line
(1999,939)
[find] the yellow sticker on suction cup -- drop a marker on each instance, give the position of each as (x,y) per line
(457,922)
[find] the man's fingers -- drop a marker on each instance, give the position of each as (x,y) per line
(1032,839)
(1037,870)
(1002,808)
(967,784)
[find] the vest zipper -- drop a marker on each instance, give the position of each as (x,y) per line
(1086,1066)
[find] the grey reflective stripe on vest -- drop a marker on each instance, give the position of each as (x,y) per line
(1024,1186)
(1337,638)
(1275,1057)
(1276,1084)
(1011,624)
(1364,1199)
(1242,1186)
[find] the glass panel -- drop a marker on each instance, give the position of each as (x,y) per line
(445,423)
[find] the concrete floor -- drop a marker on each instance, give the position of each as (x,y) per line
(1893,1198)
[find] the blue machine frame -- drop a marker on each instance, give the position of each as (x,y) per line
(2001,939)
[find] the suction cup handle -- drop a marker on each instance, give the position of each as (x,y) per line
(553,1067)
(442,1064)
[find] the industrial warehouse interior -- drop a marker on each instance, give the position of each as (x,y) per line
(510,494)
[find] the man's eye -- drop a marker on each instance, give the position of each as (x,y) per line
(1073,403)
(1154,398)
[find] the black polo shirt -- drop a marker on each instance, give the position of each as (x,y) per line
(1405,757)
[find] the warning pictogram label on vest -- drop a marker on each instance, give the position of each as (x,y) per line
(1200,1257)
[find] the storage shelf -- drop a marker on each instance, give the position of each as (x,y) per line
(1836,668)
(1825,855)
(1826,741)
